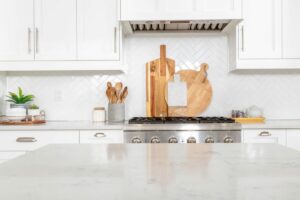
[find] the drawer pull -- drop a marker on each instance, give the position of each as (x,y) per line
(265,133)
(26,139)
(100,135)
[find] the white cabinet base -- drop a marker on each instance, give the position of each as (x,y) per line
(102,137)
(277,136)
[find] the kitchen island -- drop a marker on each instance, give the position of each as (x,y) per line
(154,172)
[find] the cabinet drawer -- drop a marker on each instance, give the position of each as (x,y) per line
(101,136)
(265,136)
(31,140)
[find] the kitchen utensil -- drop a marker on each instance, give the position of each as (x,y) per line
(124,95)
(118,87)
(109,85)
(199,92)
(176,98)
(158,72)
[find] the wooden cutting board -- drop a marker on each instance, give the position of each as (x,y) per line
(199,93)
(158,72)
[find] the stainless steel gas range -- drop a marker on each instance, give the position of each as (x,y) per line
(182,130)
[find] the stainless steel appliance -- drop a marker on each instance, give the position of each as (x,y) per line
(182,130)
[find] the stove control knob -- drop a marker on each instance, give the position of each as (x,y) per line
(155,139)
(228,140)
(191,140)
(173,140)
(209,140)
(136,140)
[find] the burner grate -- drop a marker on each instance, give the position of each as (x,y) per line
(179,120)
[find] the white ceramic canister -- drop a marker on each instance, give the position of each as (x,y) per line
(99,114)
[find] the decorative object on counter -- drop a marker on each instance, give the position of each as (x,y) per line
(33,110)
(238,114)
(116,97)
(18,104)
(116,112)
(250,120)
(254,111)
(158,73)
(175,98)
(19,100)
(199,92)
(8,121)
(252,115)
(99,114)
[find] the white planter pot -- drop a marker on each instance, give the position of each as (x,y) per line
(34,112)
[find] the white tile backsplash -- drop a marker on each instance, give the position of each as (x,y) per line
(72,95)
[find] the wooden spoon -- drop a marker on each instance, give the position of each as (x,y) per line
(113,95)
(124,95)
(109,85)
(119,87)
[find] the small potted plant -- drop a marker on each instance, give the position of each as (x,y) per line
(33,110)
(18,103)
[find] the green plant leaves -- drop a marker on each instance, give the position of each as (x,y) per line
(20,98)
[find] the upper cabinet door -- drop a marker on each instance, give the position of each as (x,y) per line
(180,9)
(291,29)
(260,32)
(16,35)
(220,8)
(55,29)
(98,30)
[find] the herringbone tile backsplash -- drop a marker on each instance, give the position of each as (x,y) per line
(72,96)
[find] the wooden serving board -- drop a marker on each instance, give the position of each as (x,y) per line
(22,122)
(258,120)
(199,93)
(158,72)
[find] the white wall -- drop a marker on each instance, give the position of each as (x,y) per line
(71,96)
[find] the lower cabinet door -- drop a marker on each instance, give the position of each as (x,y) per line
(277,136)
(102,136)
(31,140)
(293,139)
(5,156)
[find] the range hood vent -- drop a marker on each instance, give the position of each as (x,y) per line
(178,26)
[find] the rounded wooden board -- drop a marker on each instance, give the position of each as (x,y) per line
(199,93)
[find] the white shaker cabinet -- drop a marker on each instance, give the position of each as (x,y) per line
(102,137)
(16,35)
(98,30)
(291,28)
(31,140)
(55,29)
(259,35)
(293,139)
(178,9)
(277,136)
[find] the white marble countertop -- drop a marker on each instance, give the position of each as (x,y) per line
(153,172)
(274,124)
(66,125)
(88,125)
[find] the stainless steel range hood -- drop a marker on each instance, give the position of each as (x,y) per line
(192,26)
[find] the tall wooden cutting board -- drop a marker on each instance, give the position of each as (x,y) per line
(158,72)
(199,93)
